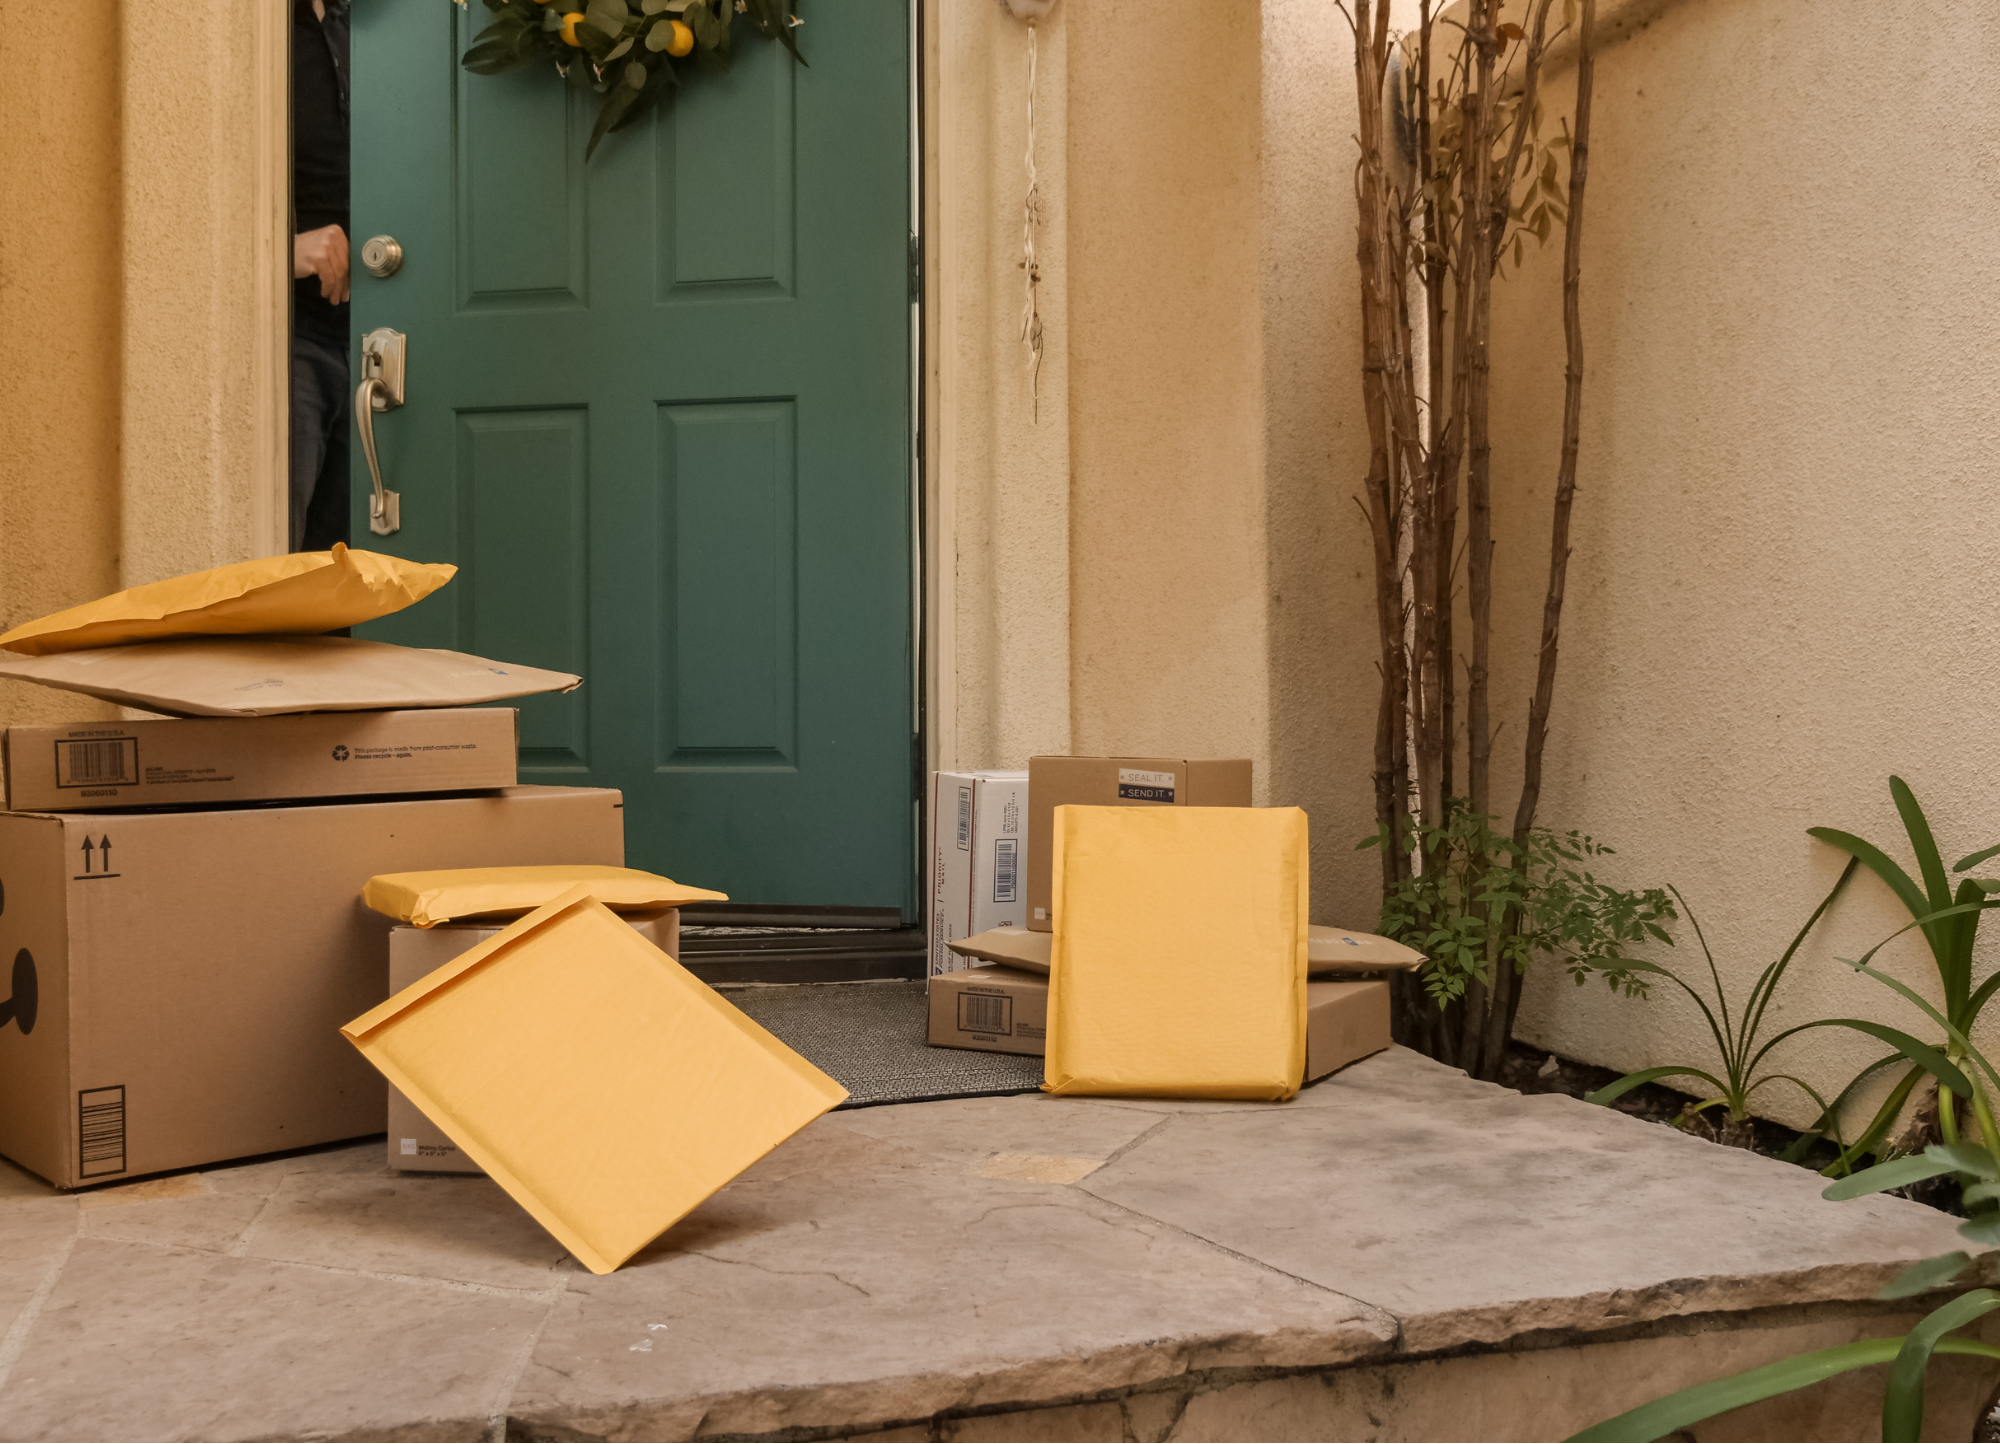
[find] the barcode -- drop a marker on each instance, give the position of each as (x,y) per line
(100,1135)
(965,819)
(983,1013)
(98,762)
(1006,868)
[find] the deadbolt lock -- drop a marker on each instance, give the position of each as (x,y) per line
(382,255)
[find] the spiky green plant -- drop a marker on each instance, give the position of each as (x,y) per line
(1741,1057)
(1950,923)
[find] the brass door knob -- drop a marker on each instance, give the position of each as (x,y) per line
(382,255)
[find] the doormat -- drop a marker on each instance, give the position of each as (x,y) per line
(870,1037)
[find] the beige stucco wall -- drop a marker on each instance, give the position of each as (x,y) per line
(1785,584)
(1167,578)
(141,241)
(1321,685)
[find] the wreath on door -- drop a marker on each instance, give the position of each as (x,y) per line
(622,52)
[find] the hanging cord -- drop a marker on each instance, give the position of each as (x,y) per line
(1031,318)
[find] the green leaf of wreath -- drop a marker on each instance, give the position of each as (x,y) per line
(607,18)
(609,114)
(661,81)
(491,56)
(710,31)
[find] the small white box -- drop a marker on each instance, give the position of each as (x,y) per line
(979,858)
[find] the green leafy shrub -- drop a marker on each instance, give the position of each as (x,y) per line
(1477,905)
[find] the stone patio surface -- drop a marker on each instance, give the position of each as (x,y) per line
(1400,1252)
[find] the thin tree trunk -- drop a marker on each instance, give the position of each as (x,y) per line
(1552,603)
(1476,289)
(1439,484)
(1382,507)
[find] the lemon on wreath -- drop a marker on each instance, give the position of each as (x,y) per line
(570,22)
(683,40)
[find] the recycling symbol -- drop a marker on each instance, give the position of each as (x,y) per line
(340,753)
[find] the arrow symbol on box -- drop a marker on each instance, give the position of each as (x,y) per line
(105,848)
(88,847)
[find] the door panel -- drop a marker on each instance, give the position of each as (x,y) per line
(659,415)
(731,674)
(524,592)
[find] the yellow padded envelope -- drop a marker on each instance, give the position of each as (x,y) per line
(425,899)
(1179,964)
(604,1086)
(298,592)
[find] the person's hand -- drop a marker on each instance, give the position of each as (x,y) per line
(323,253)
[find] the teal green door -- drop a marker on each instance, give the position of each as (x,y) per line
(659,414)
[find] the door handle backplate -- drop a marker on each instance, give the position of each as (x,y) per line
(381,389)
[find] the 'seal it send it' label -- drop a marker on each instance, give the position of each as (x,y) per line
(1137,786)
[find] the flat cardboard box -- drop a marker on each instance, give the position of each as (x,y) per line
(191,761)
(991,1009)
(996,1009)
(978,830)
(415,1143)
(266,676)
(601,1084)
(1331,951)
(1117,782)
(193,969)
(1345,1022)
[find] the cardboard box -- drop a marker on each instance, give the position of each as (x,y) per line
(1331,951)
(1117,782)
(992,1009)
(606,1088)
(978,831)
(997,1009)
(415,1143)
(193,969)
(1345,1022)
(188,761)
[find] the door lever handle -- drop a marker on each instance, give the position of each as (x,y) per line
(381,389)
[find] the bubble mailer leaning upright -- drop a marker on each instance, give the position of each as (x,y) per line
(1179,965)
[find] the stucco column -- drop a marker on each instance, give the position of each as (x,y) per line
(203,186)
(1168,615)
(1000,520)
(59,312)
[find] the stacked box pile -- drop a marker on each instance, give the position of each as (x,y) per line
(993,993)
(180,895)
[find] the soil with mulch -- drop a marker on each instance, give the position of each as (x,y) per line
(1530,1070)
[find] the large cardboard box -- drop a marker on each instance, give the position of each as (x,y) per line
(997,1009)
(193,969)
(415,1143)
(991,1009)
(978,829)
(1117,782)
(191,761)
